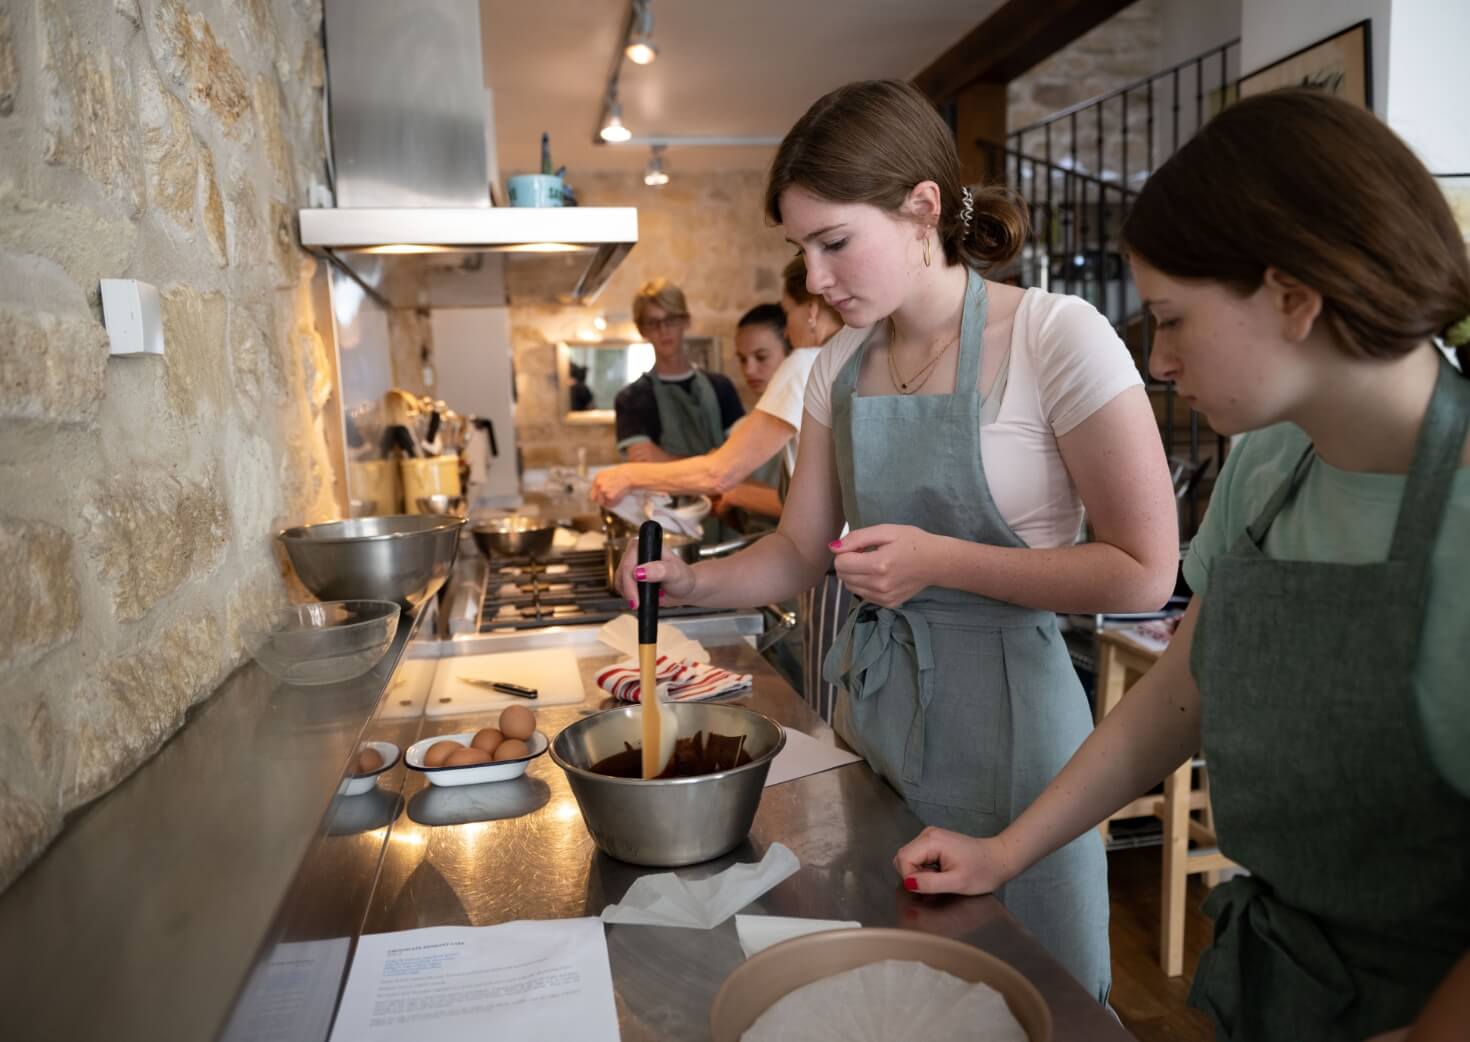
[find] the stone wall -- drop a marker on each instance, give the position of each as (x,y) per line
(169,142)
(706,232)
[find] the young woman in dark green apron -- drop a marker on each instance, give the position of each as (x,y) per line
(956,685)
(1300,262)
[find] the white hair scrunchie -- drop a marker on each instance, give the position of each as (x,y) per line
(967,207)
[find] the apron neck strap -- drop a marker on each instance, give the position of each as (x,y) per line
(1430,479)
(972,333)
(1432,475)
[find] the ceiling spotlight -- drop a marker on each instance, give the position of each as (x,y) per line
(654,175)
(612,125)
(640,48)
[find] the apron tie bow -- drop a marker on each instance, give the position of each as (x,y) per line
(861,659)
(1253,927)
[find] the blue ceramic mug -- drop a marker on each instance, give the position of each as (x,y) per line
(534,190)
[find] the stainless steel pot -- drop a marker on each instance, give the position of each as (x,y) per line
(515,536)
(403,558)
(677,821)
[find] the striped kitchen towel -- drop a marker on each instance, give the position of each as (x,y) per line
(688,681)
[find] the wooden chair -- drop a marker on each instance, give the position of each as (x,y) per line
(1121,659)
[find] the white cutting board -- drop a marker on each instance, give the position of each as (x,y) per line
(552,672)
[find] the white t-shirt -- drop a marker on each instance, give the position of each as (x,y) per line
(1066,363)
(785,394)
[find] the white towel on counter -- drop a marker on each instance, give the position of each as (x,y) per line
(687,681)
(667,899)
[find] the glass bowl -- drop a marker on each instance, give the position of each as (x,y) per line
(327,642)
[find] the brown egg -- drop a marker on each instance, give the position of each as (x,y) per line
(517,722)
(439,752)
(466,756)
(368,760)
(487,738)
(512,749)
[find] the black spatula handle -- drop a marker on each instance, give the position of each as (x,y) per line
(650,548)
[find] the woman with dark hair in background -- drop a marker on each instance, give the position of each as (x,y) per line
(959,426)
(1300,262)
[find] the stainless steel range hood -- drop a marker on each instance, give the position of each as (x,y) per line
(413,222)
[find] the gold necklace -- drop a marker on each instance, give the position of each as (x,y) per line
(921,374)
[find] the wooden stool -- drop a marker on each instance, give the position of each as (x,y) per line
(1121,659)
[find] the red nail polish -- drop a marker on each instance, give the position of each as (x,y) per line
(641,574)
(835,544)
(660,595)
(910,883)
(632,604)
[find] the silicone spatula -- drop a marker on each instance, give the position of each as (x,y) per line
(650,548)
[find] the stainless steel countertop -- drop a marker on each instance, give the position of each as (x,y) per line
(519,850)
(143,918)
(214,868)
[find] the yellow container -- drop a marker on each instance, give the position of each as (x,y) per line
(375,487)
(430,476)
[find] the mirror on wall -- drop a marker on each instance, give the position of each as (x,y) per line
(591,375)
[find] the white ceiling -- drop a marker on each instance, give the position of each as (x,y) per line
(725,67)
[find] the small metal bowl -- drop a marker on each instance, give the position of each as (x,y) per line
(325,642)
(516,536)
(674,821)
(448,506)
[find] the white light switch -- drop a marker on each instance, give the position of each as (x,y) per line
(131,314)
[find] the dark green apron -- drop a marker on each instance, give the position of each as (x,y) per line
(691,424)
(1322,783)
(966,705)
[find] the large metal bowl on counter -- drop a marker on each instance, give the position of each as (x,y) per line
(403,558)
(515,536)
(674,821)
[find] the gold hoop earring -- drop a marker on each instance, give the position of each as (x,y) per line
(811,323)
(927,261)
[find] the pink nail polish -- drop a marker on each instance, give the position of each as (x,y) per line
(632,604)
(660,595)
(641,574)
(910,883)
(835,544)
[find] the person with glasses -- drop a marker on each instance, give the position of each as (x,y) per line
(674,410)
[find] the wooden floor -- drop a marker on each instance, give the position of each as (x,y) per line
(1151,1005)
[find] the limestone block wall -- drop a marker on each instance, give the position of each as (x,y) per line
(708,233)
(169,142)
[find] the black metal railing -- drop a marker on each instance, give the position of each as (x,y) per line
(1079,170)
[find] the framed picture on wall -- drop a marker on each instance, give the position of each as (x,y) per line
(1342,65)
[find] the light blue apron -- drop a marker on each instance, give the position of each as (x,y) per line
(966,705)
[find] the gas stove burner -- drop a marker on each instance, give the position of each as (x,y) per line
(569,590)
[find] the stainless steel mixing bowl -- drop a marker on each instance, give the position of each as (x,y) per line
(514,536)
(403,558)
(677,821)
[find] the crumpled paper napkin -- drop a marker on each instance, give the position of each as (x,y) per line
(700,904)
(759,932)
(638,507)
